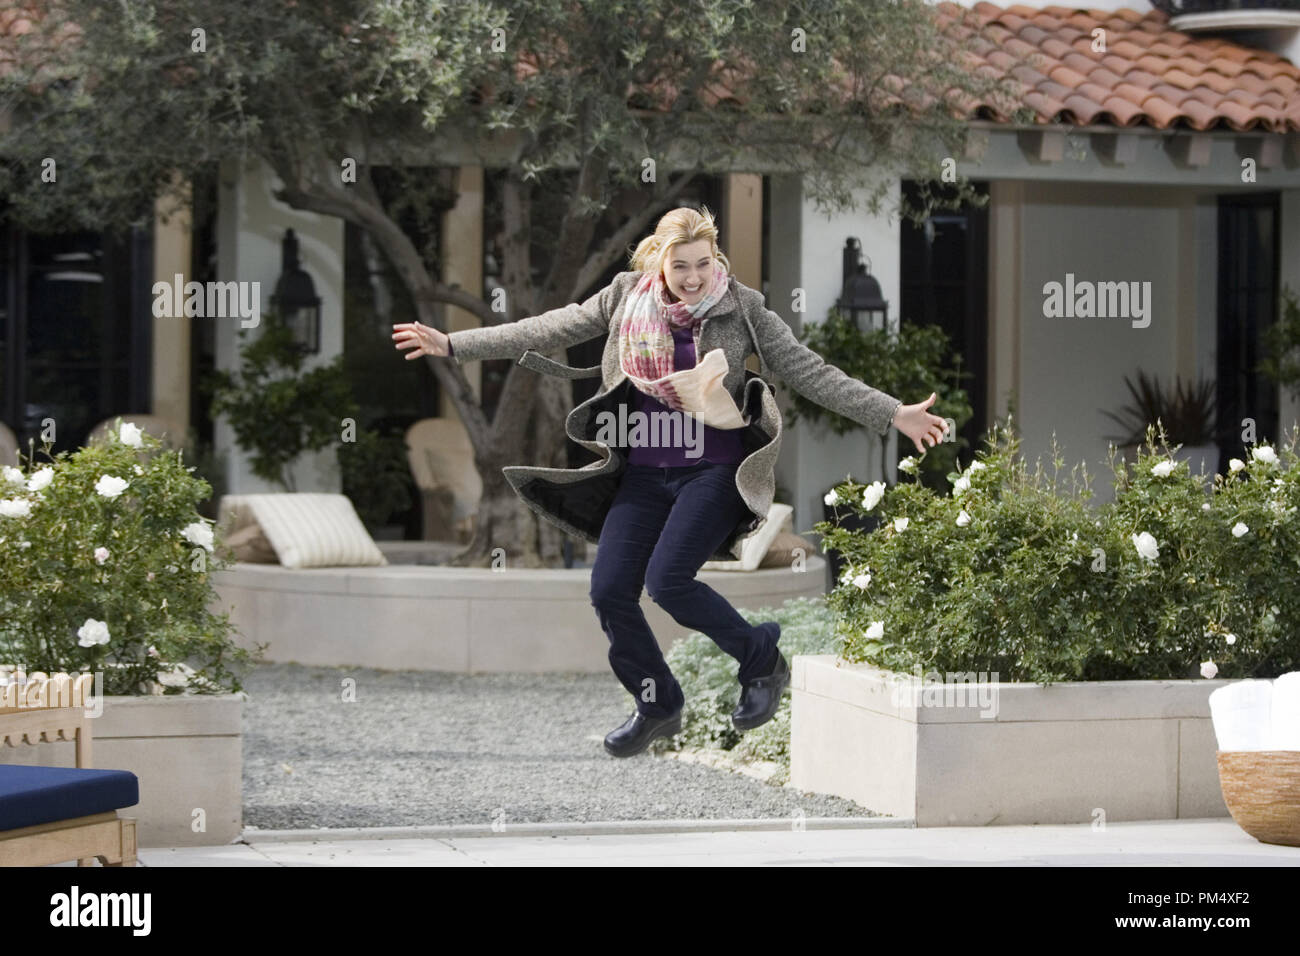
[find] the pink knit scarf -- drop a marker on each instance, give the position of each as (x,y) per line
(645,340)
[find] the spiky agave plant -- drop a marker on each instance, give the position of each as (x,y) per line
(1187,411)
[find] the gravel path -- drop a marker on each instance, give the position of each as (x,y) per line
(423,748)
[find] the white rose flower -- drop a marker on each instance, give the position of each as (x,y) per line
(1230,639)
(1239,529)
(862,580)
(960,486)
(110,486)
(875,631)
(1208,670)
(178,676)
(1264,453)
(101,554)
(900,524)
(1236,465)
(908,465)
(1205,506)
(40,479)
(831,499)
(1162,469)
(1146,545)
(198,533)
(963,519)
(871,497)
(15,508)
(92,632)
(12,474)
(975,466)
(129,434)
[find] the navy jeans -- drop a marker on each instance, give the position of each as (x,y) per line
(663,524)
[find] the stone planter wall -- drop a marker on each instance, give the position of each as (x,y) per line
(1135,750)
(187,752)
(466,620)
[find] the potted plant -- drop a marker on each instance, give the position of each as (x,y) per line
(1009,624)
(1185,412)
(105,568)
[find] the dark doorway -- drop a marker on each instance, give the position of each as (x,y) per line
(1247,305)
(75,330)
(944,282)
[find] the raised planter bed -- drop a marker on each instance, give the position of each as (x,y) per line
(1135,750)
(186,751)
(465,620)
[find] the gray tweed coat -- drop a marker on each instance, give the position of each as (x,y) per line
(577,499)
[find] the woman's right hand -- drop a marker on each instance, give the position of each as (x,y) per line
(421,339)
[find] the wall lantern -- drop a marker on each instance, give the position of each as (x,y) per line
(295,298)
(861,293)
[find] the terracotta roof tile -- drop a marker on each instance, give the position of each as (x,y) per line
(1148,74)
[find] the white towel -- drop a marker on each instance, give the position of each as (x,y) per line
(1242,715)
(1285,710)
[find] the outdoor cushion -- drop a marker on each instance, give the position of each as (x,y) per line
(33,795)
(249,544)
(753,549)
(781,553)
(307,530)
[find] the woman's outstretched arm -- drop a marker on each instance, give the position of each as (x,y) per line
(829,386)
(567,325)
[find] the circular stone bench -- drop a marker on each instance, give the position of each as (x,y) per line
(467,620)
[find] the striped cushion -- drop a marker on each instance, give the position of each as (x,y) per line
(307,530)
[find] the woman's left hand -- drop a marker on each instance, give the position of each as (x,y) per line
(918,424)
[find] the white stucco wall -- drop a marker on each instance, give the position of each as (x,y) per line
(1071,370)
(250,226)
(806,253)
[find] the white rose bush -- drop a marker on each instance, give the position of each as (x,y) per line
(1021,573)
(105,567)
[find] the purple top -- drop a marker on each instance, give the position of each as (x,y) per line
(718,445)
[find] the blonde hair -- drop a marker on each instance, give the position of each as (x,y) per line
(680,225)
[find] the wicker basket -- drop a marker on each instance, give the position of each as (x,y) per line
(1262,791)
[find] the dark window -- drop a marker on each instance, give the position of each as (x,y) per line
(1248,304)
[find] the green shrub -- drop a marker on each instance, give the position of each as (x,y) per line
(97,576)
(1038,586)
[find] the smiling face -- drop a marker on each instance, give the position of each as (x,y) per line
(688,270)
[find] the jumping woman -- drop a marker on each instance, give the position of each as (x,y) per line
(657,510)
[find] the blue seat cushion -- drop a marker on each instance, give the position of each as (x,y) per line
(34,795)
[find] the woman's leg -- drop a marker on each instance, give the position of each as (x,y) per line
(636,517)
(706,508)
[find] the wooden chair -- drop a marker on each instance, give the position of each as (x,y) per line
(45,710)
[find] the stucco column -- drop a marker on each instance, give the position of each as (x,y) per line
(462,262)
(170,362)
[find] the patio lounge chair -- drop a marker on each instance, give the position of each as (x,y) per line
(56,814)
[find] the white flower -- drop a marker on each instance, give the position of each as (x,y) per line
(1264,453)
(139,470)
(15,508)
(198,533)
(871,497)
(908,465)
(1230,639)
(1236,465)
(975,466)
(129,434)
(110,486)
(1146,545)
(150,577)
(153,651)
(101,554)
(963,519)
(40,479)
(960,486)
(875,631)
(1205,506)
(832,499)
(92,632)
(1162,469)
(900,524)
(1208,670)
(1239,529)
(12,474)
(862,580)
